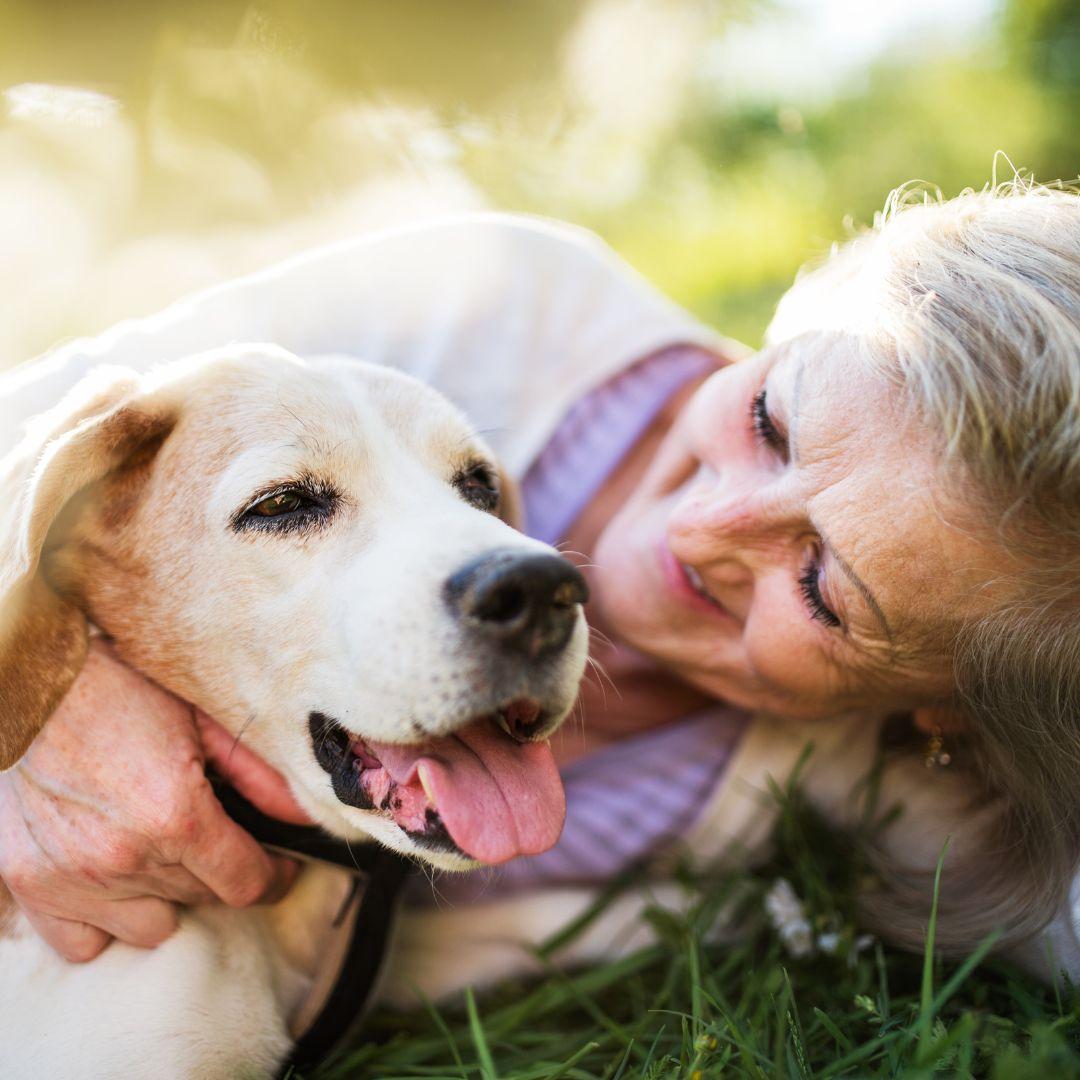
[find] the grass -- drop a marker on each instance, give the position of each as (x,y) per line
(688,1009)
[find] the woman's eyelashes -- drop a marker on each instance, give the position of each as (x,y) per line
(768,432)
(764,427)
(810,587)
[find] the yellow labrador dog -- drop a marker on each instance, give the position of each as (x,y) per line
(312,552)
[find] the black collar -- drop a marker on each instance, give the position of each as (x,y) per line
(381,873)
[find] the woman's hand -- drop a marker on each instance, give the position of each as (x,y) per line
(108,821)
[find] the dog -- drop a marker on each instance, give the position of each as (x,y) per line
(317,553)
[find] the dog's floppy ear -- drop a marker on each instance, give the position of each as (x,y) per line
(43,636)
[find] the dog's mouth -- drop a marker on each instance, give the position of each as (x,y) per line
(481,792)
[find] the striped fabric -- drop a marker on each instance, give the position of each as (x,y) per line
(596,434)
(627,801)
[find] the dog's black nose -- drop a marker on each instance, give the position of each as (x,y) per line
(526,602)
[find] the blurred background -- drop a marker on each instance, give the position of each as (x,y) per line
(151,148)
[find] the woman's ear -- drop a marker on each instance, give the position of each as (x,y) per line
(43,636)
(941,718)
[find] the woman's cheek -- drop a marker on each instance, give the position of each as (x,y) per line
(780,650)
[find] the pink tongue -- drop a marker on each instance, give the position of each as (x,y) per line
(497,799)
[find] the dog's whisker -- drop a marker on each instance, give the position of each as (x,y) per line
(603,695)
(603,679)
(601,672)
(587,559)
(479,433)
(600,638)
(583,561)
(348,847)
(601,646)
(600,686)
(304,425)
(437,896)
(240,734)
(579,717)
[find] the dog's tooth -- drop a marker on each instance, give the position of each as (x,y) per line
(501,720)
(424,785)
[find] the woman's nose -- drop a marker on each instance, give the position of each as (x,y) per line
(730,511)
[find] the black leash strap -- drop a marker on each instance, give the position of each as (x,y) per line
(383,873)
(306,841)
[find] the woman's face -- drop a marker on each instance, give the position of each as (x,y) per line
(790,549)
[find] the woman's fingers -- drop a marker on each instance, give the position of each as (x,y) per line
(143,921)
(175,883)
(257,781)
(74,941)
(231,863)
(109,820)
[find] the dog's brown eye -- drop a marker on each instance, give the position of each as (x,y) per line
(479,487)
(285,502)
(299,507)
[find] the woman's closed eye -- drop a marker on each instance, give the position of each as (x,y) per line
(810,587)
(809,581)
(763,425)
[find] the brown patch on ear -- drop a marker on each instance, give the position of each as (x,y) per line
(43,634)
(8,910)
(42,648)
(127,483)
(511,508)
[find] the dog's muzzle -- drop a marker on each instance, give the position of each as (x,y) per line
(487,788)
(526,604)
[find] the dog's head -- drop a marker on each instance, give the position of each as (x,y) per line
(312,552)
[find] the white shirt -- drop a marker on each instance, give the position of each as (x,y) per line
(513,318)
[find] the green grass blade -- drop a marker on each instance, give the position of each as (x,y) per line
(970,963)
(926,1009)
(621,1069)
(483,1054)
(841,1040)
(696,1002)
(440,1023)
(798,1037)
(570,1062)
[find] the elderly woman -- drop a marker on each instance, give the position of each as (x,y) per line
(873,523)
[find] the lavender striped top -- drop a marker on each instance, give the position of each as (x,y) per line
(627,801)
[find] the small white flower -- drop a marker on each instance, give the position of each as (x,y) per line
(829,942)
(782,903)
(786,913)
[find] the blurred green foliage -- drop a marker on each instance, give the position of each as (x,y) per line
(782,184)
(259,112)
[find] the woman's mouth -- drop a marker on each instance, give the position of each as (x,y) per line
(686,583)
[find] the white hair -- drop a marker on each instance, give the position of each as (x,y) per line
(972,305)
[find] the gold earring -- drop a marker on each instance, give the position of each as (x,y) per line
(936,756)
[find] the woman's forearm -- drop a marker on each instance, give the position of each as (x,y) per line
(310,304)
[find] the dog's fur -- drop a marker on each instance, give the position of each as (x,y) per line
(123,504)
